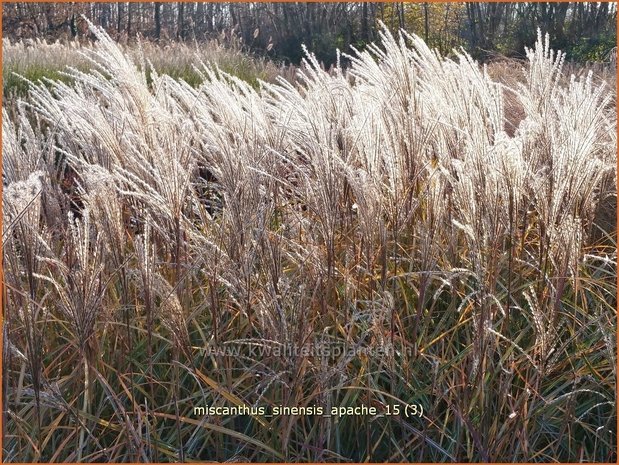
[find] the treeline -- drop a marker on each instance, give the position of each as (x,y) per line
(586,31)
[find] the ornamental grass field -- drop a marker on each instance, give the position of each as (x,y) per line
(407,231)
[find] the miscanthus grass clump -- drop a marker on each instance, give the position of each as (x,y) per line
(408,231)
(37,60)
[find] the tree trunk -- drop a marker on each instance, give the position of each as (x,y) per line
(180,31)
(73,27)
(129,17)
(158,20)
(199,18)
(425,22)
(105,15)
(470,11)
(364,23)
(120,18)
(209,20)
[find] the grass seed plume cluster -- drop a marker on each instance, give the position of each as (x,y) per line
(36,60)
(453,236)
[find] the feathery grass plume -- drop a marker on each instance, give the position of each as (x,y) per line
(101,198)
(23,239)
(543,74)
(78,281)
(22,150)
